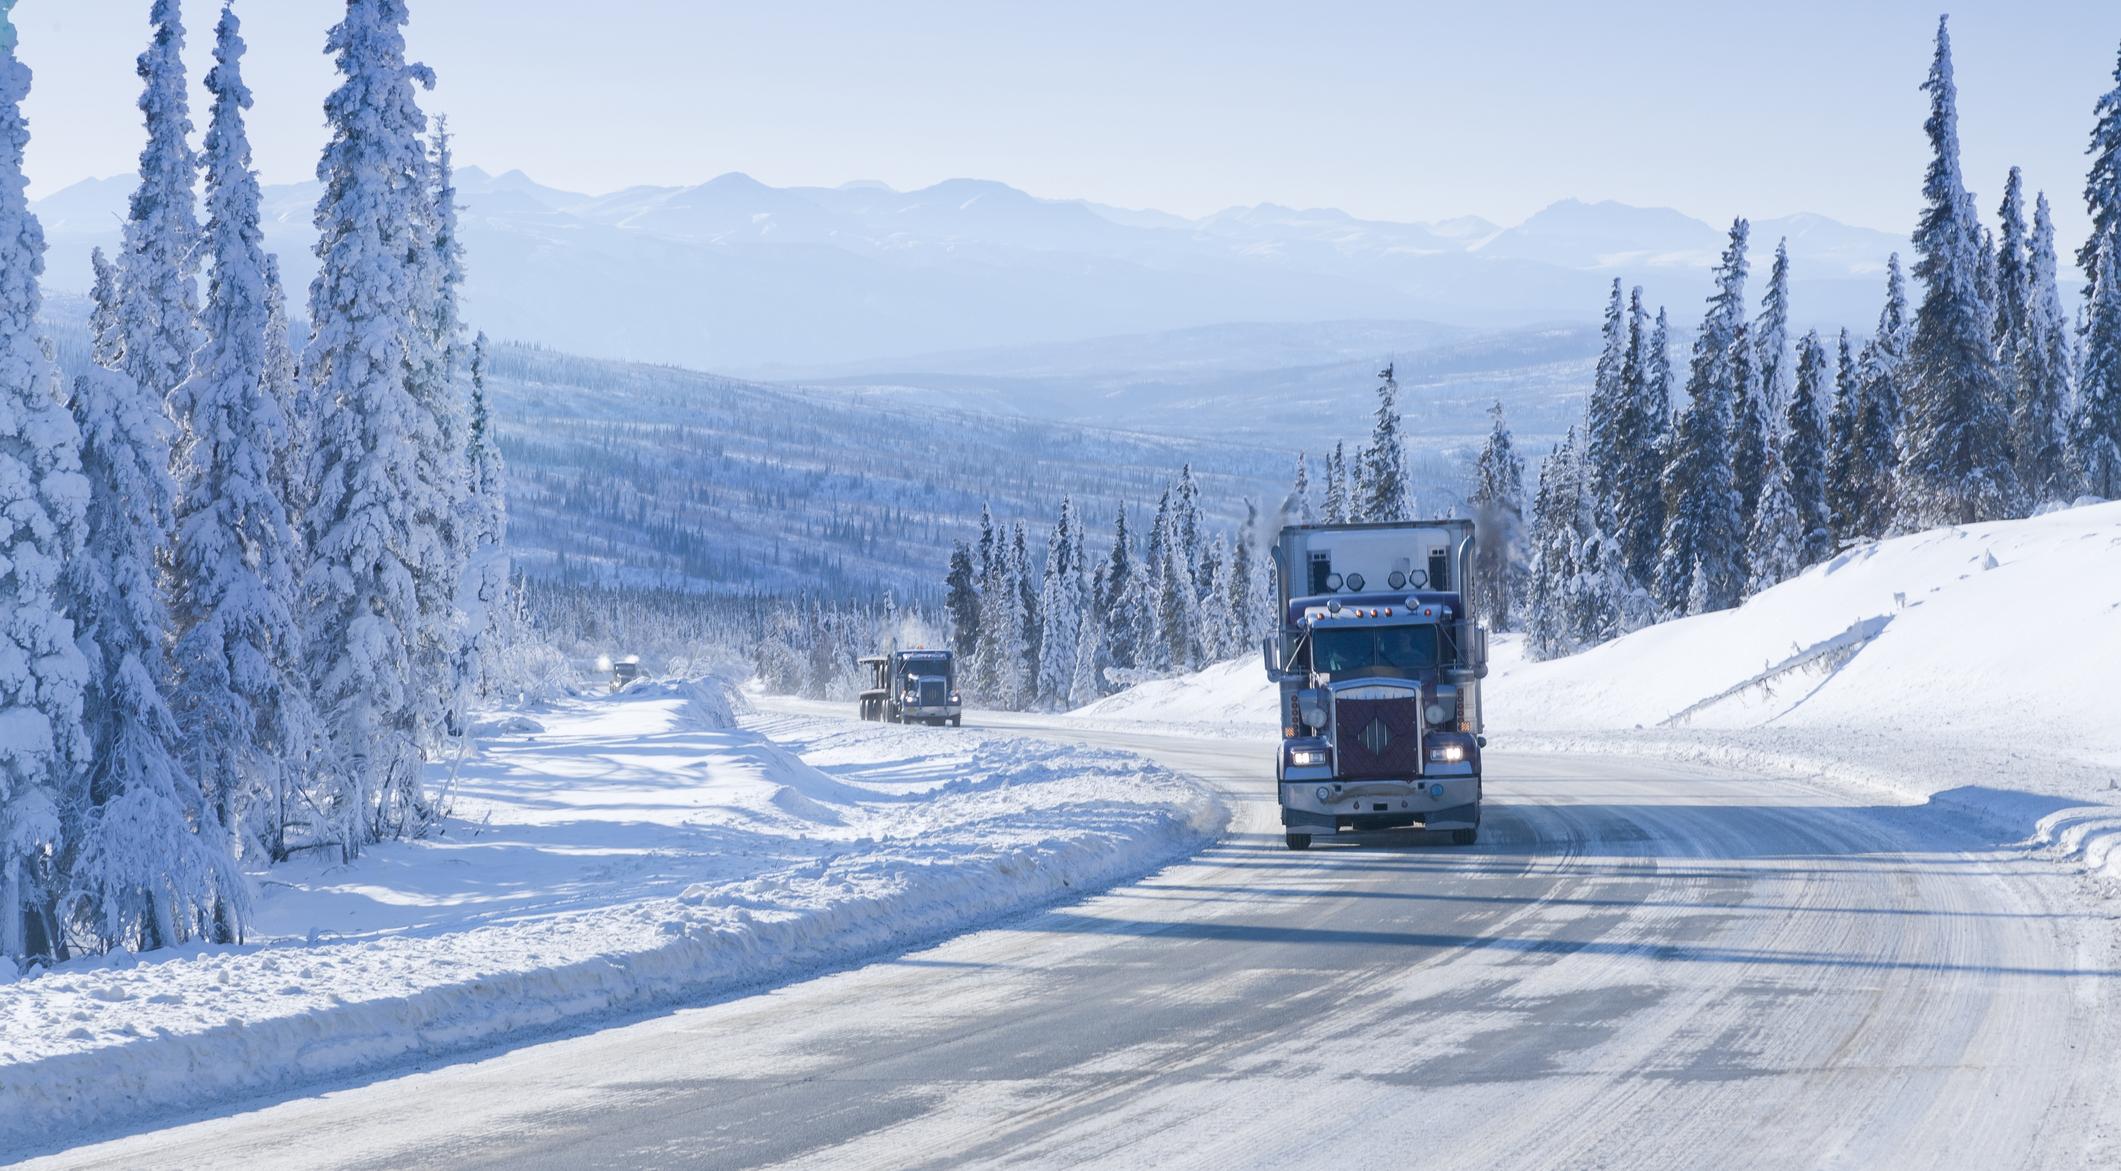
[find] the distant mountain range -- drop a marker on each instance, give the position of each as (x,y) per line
(735,275)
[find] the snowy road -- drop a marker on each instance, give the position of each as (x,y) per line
(1641,965)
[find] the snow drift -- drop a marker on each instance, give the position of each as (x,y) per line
(613,855)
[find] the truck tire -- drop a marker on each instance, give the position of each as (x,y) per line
(1297,841)
(957,721)
(1465,837)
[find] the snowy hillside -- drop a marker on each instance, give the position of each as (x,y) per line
(733,272)
(610,855)
(1978,657)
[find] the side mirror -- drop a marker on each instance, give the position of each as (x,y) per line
(1270,652)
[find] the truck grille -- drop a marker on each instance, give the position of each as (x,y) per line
(934,693)
(1377,737)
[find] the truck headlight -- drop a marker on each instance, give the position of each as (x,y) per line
(1307,757)
(1324,794)
(1449,753)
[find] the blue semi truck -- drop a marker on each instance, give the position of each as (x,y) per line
(1379,662)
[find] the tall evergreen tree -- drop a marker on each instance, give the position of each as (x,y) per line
(1750,429)
(443,542)
(1549,631)
(1385,494)
(1639,506)
(159,265)
(482,598)
(2102,186)
(2040,368)
(2013,276)
(240,694)
(1699,563)
(369,331)
(1298,510)
(1061,606)
(1842,474)
(1774,360)
(1116,596)
(42,672)
(151,864)
(1775,546)
(1497,501)
(1880,372)
(1955,465)
(961,602)
(1604,426)
(1337,487)
(2095,426)
(1806,451)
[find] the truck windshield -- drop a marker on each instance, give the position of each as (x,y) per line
(1395,648)
(930,667)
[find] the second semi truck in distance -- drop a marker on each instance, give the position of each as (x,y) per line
(1379,663)
(912,687)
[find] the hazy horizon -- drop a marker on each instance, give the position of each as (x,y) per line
(1370,109)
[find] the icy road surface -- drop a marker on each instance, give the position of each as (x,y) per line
(1641,965)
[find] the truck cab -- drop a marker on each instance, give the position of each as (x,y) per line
(912,687)
(1379,665)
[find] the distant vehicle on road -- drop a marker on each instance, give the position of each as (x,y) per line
(625,670)
(912,687)
(1380,663)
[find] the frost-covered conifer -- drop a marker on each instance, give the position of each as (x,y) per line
(441,517)
(2102,185)
(2095,426)
(240,695)
(1774,361)
(1639,504)
(2040,371)
(1805,452)
(369,328)
(151,863)
(482,598)
(1384,494)
(1955,465)
(1880,371)
(1699,564)
(1776,543)
(1750,429)
(1061,605)
(1337,487)
(1843,477)
(961,602)
(1497,501)
(2013,277)
(159,265)
(43,752)
(1298,510)
(1119,599)
(1604,422)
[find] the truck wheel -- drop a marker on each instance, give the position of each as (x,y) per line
(1298,841)
(957,721)
(1465,837)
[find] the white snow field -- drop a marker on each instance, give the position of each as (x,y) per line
(1976,668)
(612,854)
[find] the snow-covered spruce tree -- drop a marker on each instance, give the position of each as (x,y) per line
(43,752)
(1337,487)
(1603,415)
(1086,686)
(1842,475)
(1805,452)
(369,331)
(441,506)
(2102,185)
(1027,580)
(2040,369)
(159,265)
(1118,598)
(961,602)
(1699,563)
(1775,546)
(1298,509)
(1176,604)
(1007,618)
(1773,359)
(1550,623)
(1750,429)
(1497,501)
(1211,622)
(1185,514)
(151,862)
(483,595)
(1639,504)
(1385,495)
(283,384)
(240,695)
(1955,465)
(1153,651)
(1061,606)
(1245,600)
(2095,425)
(2012,276)
(1880,371)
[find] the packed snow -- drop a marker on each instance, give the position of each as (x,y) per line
(606,855)
(1972,667)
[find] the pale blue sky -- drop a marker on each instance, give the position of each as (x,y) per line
(1403,111)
